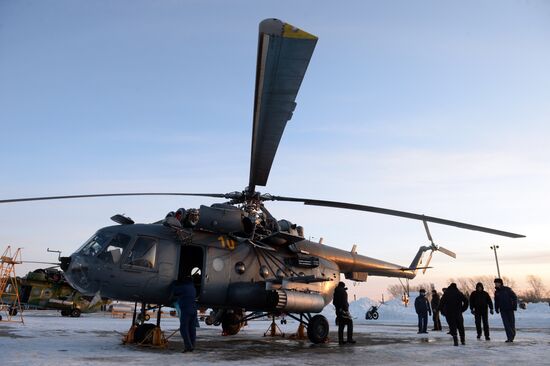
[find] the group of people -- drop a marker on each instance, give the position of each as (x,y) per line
(453,303)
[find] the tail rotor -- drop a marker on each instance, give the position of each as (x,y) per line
(433,247)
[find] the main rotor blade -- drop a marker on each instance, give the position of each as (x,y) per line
(447,251)
(385,211)
(428,231)
(284,52)
(48,198)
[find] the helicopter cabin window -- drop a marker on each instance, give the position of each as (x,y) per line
(112,253)
(94,245)
(143,253)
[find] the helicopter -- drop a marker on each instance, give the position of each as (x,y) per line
(47,288)
(245,263)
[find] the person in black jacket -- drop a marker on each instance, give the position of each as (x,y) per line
(343,317)
(506,302)
(480,303)
(435,310)
(422,307)
(185,294)
(453,303)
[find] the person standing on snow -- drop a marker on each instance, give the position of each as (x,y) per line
(435,309)
(343,317)
(506,302)
(453,304)
(480,302)
(185,293)
(422,307)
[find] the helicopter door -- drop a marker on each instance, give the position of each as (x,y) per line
(191,264)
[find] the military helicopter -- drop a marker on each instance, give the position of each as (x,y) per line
(46,288)
(242,258)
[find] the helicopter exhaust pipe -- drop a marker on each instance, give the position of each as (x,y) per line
(253,297)
(299,302)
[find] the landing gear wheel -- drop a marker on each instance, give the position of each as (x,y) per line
(317,329)
(232,322)
(146,318)
(142,331)
(375,315)
(12,311)
(75,313)
(368,316)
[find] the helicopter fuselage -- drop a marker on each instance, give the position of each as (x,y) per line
(141,262)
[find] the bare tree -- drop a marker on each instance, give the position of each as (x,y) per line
(536,292)
(396,290)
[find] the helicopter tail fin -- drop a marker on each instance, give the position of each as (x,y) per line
(417,260)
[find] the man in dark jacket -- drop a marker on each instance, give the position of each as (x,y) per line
(506,302)
(435,309)
(422,307)
(480,302)
(185,293)
(453,304)
(343,317)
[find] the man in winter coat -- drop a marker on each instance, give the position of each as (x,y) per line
(480,302)
(453,303)
(435,309)
(343,317)
(422,307)
(506,302)
(185,293)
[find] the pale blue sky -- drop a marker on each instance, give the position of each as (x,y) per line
(436,107)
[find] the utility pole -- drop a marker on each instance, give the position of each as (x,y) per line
(495,247)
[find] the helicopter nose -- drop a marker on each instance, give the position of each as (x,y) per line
(80,273)
(65,262)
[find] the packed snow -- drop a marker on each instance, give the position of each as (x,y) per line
(46,338)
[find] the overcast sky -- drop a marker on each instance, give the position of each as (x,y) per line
(434,107)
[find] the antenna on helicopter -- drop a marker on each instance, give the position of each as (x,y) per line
(55,251)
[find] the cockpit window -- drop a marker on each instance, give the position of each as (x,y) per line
(94,245)
(114,250)
(143,253)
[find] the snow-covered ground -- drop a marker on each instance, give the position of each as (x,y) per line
(95,339)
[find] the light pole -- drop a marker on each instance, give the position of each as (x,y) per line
(495,247)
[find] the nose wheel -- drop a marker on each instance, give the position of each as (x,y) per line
(142,333)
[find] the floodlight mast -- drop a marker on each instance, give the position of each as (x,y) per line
(495,247)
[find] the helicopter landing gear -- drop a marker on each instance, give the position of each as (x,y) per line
(73,313)
(232,322)
(317,327)
(143,333)
(146,318)
(12,311)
